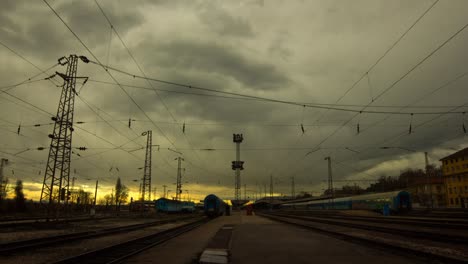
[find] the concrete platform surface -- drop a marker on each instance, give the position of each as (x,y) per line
(187,247)
(260,240)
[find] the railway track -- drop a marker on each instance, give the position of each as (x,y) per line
(119,252)
(20,246)
(457,224)
(37,222)
(369,224)
(416,243)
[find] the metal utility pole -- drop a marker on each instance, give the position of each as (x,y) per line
(146,187)
(95,193)
(293,188)
(3,163)
(72,191)
(330,179)
(55,187)
(237,165)
(179,178)
(428,179)
(164,193)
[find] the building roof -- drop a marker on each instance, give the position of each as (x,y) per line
(461,153)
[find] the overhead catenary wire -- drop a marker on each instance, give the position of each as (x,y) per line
(429,55)
(112,77)
(255,99)
(279,100)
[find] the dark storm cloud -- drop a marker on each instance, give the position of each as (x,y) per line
(223,23)
(86,19)
(299,50)
(49,36)
(212,57)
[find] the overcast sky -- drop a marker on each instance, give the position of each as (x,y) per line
(303,51)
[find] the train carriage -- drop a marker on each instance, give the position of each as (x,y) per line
(397,201)
(214,206)
(174,206)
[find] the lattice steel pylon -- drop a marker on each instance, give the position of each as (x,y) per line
(179,179)
(146,185)
(55,188)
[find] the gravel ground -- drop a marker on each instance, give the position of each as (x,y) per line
(12,235)
(55,253)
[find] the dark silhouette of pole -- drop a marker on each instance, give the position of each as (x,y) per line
(95,194)
(179,179)
(146,186)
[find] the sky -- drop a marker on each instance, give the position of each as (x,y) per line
(394,57)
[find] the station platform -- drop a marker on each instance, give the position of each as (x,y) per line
(259,240)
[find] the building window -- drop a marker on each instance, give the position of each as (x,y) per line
(450,190)
(456,201)
(453,169)
(459,178)
(451,200)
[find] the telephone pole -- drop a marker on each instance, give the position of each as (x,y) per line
(146,186)
(164,193)
(55,187)
(179,179)
(237,165)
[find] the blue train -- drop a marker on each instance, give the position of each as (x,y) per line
(173,206)
(397,201)
(213,206)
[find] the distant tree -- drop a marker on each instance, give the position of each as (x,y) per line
(84,197)
(19,196)
(303,195)
(121,193)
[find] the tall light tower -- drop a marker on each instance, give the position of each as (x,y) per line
(146,185)
(55,187)
(237,165)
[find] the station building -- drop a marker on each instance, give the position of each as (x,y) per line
(455,174)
